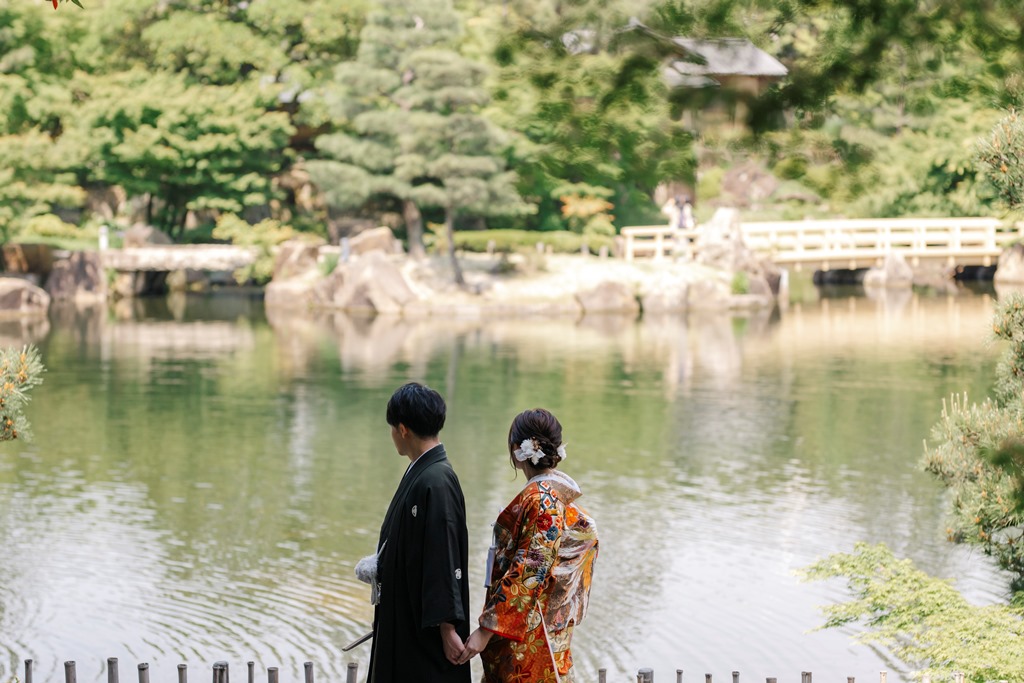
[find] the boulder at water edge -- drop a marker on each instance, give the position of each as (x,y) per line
(371,284)
(609,297)
(296,275)
(893,273)
(21,298)
(79,278)
(375,239)
(1011,266)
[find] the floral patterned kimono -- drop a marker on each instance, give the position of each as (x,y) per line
(543,564)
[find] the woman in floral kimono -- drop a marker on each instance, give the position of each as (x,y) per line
(540,565)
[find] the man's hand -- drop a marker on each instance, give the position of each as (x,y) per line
(475,645)
(452,643)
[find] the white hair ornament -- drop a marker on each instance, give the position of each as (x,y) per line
(530,450)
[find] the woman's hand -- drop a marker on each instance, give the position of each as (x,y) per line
(475,645)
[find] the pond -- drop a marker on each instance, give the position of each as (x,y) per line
(203,479)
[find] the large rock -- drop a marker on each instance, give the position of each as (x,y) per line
(35,259)
(720,245)
(708,294)
(19,297)
(142,235)
(372,284)
(79,278)
(609,297)
(296,294)
(375,239)
(893,273)
(295,258)
(1010,269)
(665,292)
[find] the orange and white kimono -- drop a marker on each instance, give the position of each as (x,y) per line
(544,551)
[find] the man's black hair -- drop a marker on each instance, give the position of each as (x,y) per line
(419,408)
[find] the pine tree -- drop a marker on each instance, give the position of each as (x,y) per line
(411,129)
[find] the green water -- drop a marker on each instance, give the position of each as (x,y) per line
(203,479)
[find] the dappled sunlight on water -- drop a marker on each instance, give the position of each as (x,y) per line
(204,479)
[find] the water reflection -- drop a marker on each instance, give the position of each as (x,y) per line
(204,478)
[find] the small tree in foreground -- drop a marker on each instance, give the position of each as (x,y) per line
(20,371)
(923,621)
(977,451)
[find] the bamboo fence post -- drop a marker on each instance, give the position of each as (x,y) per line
(271,674)
(252,671)
(69,672)
(112,670)
(602,676)
(182,673)
(28,671)
(353,673)
(144,672)
(308,666)
(645,676)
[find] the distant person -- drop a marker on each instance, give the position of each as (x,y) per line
(418,575)
(686,220)
(540,564)
(673,209)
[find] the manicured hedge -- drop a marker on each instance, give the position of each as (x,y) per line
(561,241)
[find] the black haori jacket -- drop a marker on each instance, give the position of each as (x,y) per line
(422,571)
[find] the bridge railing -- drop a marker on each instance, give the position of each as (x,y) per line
(850,243)
(658,241)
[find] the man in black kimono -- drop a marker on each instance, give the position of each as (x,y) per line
(422,615)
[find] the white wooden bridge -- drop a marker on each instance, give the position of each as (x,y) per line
(171,257)
(845,244)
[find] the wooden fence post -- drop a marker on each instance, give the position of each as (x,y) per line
(69,672)
(645,676)
(271,674)
(252,671)
(735,677)
(28,671)
(112,670)
(182,673)
(602,676)
(144,672)
(707,678)
(353,673)
(308,666)
(679,676)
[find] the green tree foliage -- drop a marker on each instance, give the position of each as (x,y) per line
(922,620)
(181,146)
(20,371)
(408,110)
(263,236)
(975,452)
(588,97)
(1002,156)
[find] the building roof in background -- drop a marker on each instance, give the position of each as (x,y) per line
(726,57)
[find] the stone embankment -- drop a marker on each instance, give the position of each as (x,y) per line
(377,279)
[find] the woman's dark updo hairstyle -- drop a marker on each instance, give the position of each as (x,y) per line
(544,428)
